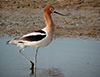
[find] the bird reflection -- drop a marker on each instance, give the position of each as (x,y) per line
(32,72)
(32,69)
(51,72)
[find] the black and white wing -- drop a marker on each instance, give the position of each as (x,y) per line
(34,36)
(31,37)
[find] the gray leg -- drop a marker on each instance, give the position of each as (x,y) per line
(35,60)
(32,64)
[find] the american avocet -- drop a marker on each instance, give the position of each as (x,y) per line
(38,38)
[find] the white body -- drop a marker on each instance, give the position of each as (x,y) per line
(41,43)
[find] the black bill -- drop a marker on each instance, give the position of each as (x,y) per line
(60,14)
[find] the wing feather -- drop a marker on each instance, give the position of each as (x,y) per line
(34,36)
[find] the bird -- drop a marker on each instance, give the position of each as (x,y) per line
(39,38)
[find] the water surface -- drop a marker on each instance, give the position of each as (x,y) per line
(62,58)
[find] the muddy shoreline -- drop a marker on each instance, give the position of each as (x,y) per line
(21,17)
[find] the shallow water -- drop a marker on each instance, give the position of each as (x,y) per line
(62,58)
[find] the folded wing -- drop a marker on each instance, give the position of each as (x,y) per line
(35,36)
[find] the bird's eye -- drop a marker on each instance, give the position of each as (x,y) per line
(51,9)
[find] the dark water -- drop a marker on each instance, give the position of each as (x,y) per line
(62,58)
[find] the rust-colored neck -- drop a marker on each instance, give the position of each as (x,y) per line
(49,22)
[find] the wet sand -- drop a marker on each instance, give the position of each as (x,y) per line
(21,17)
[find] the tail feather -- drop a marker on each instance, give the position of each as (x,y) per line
(7,42)
(15,41)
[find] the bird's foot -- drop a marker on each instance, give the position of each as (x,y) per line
(32,65)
